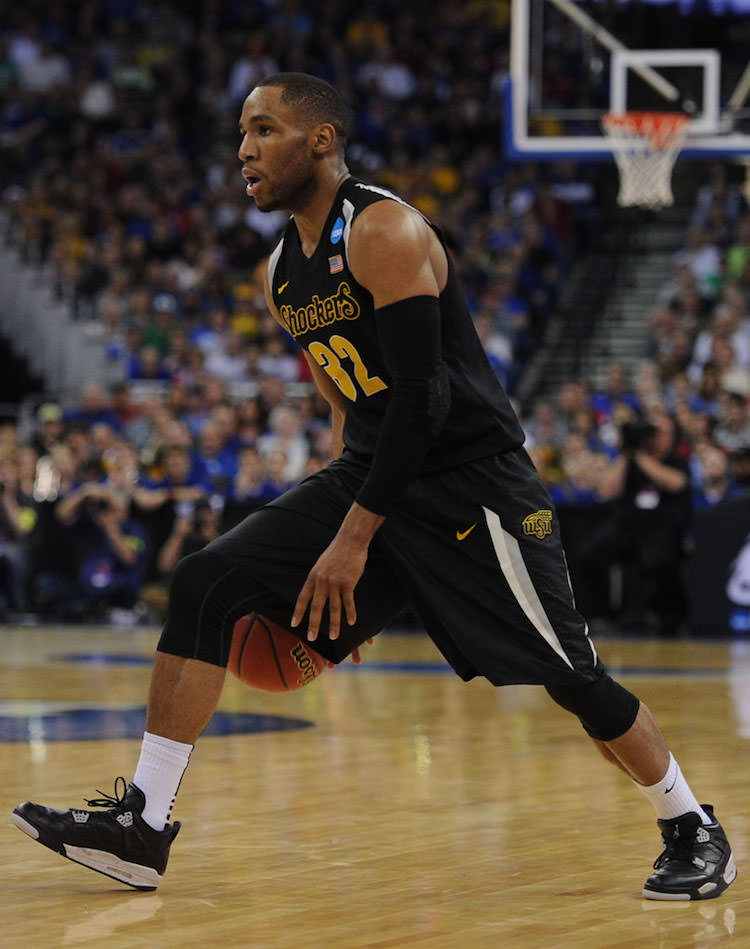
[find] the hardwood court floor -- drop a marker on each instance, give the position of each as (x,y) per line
(413,811)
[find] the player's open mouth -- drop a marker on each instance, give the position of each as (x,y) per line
(252,183)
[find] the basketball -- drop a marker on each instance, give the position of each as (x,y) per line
(266,656)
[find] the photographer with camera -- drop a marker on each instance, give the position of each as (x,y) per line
(649,487)
(196,524)
(108,551)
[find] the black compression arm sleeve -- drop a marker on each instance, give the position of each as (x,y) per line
(409,334)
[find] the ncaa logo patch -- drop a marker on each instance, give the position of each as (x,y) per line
(539,524)
(337,231)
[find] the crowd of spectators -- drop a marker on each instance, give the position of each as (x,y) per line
(649,452)
(101,499)
(119,138)
(97,506)
(118,141)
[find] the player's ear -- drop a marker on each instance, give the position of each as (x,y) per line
(323,138)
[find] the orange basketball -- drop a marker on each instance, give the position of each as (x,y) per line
(269,657)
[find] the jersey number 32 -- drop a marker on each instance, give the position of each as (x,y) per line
(329,358)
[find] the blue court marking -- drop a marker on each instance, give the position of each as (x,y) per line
(416,668)
(426,668)
(397,668)
(98,724)
(654,671)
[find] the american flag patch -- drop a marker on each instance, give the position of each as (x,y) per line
(336,263)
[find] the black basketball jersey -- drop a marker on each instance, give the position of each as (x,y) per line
(333,318)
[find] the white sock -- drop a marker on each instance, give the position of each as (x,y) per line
(160,768)
(672,796)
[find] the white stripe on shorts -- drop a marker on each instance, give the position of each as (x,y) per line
(514,570)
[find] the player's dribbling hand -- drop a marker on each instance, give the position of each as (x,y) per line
(332,580)
(336,573)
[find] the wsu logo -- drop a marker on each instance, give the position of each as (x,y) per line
(539,524)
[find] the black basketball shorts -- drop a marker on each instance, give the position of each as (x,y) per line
(474,549)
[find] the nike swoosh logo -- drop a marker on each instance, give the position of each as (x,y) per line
(282,288)
(462,535)
(671,785)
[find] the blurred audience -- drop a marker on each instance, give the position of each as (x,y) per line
(129,191)
(120,178)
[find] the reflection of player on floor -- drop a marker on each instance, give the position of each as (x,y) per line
(433,502)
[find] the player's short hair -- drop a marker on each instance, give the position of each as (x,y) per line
(315,99)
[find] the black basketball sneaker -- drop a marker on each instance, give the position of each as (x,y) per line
(696,863)
(116,841)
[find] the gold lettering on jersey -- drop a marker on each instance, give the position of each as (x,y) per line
(539,524)
(341,305)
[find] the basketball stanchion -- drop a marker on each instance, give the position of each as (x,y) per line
(646,146)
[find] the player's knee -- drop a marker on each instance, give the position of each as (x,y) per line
(186,584)
(207,595)
(606,709)
(195,603)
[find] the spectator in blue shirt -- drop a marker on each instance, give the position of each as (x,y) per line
(94,408)
(213,463)
(616,393)
(251,485)
(716,483)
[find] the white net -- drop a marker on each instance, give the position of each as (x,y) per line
(645,146)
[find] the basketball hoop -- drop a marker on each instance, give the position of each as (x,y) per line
(646,145)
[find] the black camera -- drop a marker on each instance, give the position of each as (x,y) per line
(635,435)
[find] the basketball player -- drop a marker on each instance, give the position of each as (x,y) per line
(433,502)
